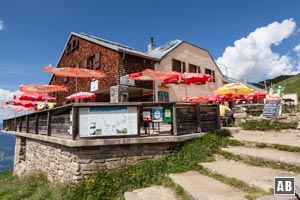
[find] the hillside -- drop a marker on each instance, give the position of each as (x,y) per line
(291,85)
(273,81)
(277,79)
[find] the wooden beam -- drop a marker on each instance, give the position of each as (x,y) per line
(36,127)
(27,124)
(75,122)
(174,122)
(20,124)
(49,121)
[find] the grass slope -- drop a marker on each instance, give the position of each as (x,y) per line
(291,85)
(113,184)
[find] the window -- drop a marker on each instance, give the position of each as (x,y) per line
(210,72)
(178,66)
(66,79)
(194,68)
(93,62)
(72,46)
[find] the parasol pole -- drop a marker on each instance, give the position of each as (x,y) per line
(185,93)
(76,100)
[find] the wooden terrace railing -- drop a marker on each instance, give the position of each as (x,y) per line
(70,121)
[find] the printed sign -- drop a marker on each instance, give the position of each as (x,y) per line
(157,114)
(94,85)
(147,116)
(107,121)
(272,108)
(124,80)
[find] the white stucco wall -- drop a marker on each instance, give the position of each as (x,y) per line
(190,55)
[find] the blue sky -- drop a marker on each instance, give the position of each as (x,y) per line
(33,33)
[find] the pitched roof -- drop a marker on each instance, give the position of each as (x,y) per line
(157,53)
(163,50)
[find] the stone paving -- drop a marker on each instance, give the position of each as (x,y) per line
(199,186)
(267,154)
(202,187)
(261,177)
(151,193)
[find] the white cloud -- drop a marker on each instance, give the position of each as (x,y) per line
(252,57)
(6,95)
(1,25)
(297,48)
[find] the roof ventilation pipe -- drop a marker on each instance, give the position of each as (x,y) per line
(151,45)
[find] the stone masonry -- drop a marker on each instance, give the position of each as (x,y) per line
(71,164)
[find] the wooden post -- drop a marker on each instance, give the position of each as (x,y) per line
(49,121)
(139,119)
(198,118)
(75,122)
(27,124)
(36,127)
(174,122)
(218,115)
(15,124)
(20,124)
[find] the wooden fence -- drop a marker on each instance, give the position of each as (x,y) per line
(64,121)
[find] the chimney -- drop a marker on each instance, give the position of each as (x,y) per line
(151,45)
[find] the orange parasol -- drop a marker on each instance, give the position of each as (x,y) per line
(42,88)
(150,75)
(74,72)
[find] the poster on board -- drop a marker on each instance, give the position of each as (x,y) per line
(157,114)
(272,108)
(107,121)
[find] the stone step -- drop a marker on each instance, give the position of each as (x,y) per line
(283,137)
(203,187)
(267,154)
(277,197)
(260,177)
(151,193)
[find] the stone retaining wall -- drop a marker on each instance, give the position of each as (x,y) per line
(70,164)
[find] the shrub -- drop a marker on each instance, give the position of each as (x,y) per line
(264,125)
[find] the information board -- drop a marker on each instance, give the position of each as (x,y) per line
(107,121)
(272,108)
(157,114)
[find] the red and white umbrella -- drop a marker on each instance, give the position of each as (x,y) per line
(81,95)
(34,96)
(256,95)
(40,88)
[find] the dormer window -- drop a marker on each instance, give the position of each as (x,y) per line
(72,46)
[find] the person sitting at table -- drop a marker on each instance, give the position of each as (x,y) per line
(225,114)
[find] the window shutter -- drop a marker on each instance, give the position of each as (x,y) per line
(97,61)
(85,63)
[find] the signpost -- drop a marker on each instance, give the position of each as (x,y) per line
(272,108)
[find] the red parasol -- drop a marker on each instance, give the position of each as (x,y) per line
(23,103)
(42,88)
(198,99)
(22,108)
(81,95)
(150,75)
(256,95)
(74,72)
(218,97)
(34,96)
